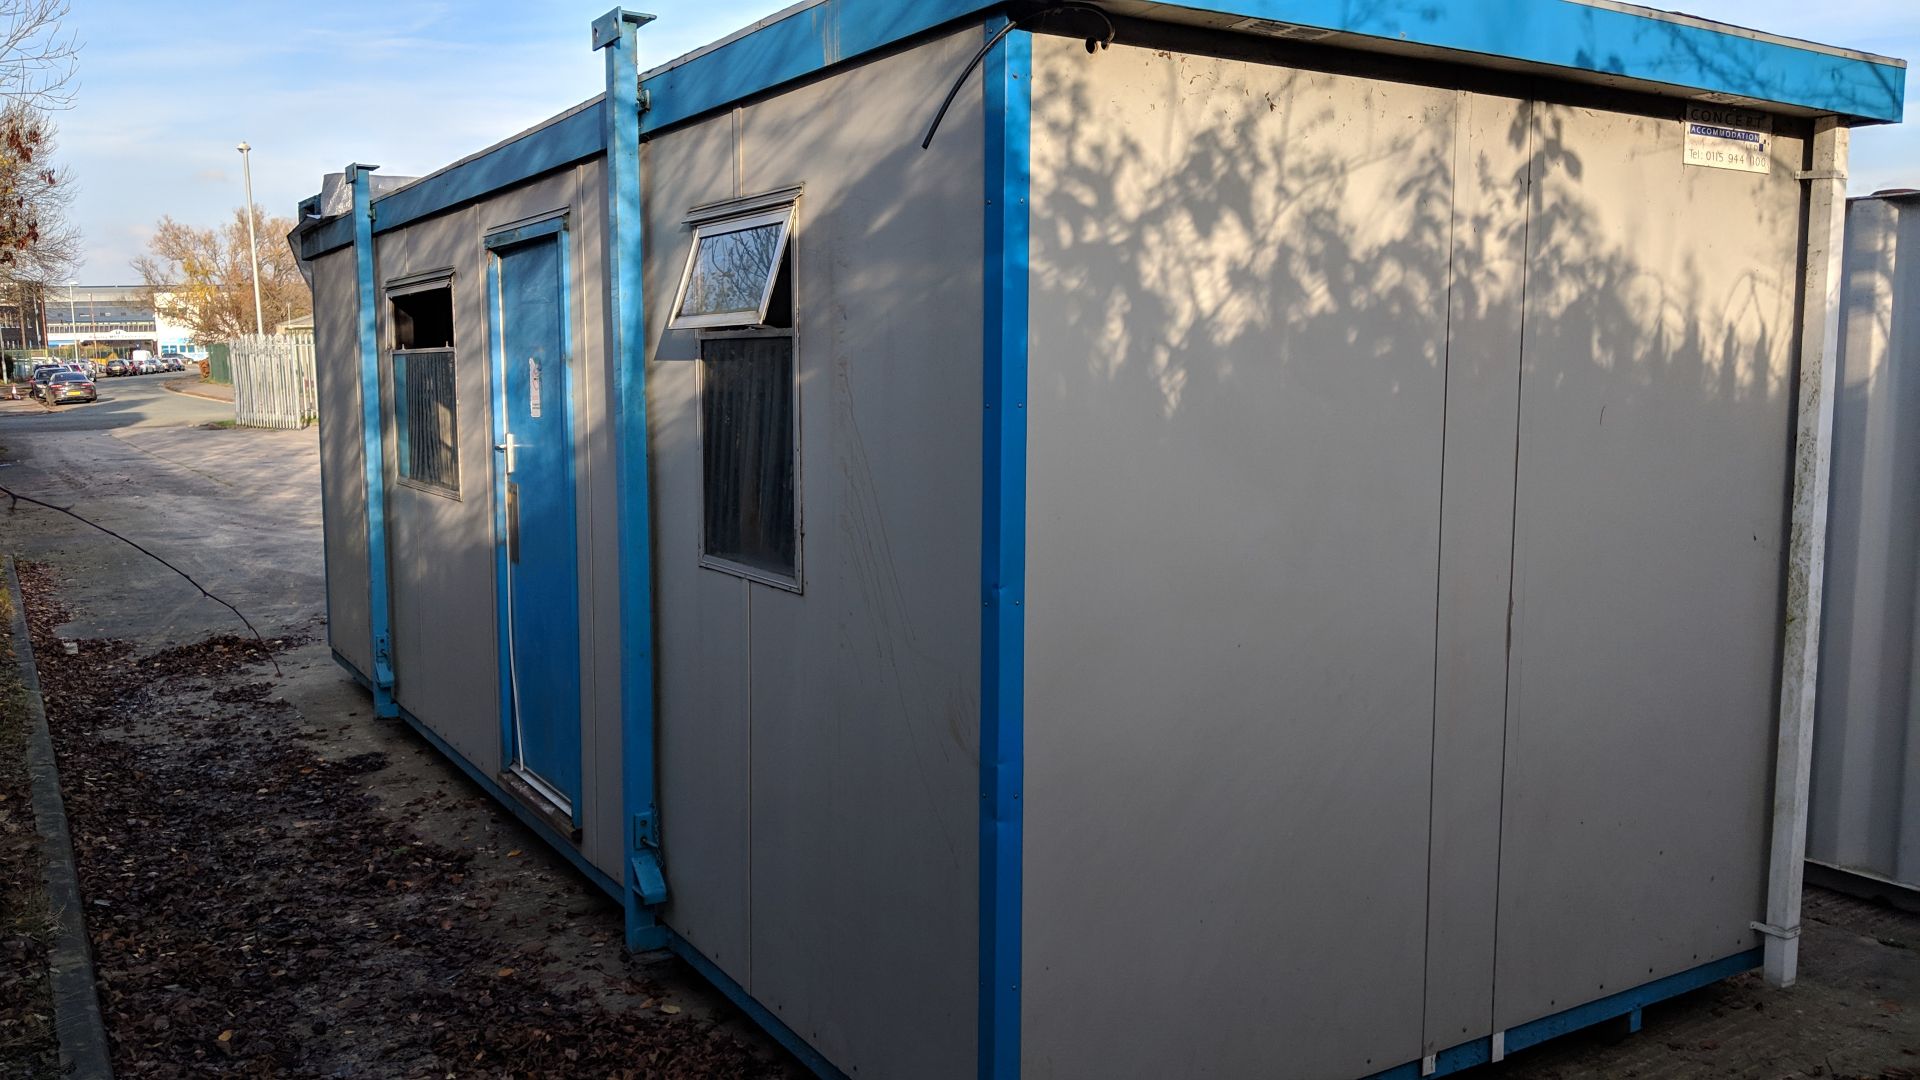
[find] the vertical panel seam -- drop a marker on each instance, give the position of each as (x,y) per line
(1513,553)
(1463,103)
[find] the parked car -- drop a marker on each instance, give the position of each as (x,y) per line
(43,374)
(69,386)
(117,366)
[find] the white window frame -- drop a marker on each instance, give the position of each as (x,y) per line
(782,217)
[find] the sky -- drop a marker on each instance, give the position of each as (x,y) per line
(168,88)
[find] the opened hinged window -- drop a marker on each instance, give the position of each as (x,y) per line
(733,271)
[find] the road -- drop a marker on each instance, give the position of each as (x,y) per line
(237,509)
(129,401)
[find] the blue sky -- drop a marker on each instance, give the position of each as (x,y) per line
(168,88)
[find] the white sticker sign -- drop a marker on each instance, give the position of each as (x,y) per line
(533,386)
(1719,137)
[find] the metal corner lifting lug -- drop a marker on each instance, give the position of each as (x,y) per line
(645,877)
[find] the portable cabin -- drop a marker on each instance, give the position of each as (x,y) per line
(1284,538)
(1865,816)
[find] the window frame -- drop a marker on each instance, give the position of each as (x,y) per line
(782,216)
(410,285)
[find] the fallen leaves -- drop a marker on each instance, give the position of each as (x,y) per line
(240,879)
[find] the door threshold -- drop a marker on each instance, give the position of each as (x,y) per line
(541,803)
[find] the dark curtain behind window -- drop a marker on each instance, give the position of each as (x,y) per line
(746,425)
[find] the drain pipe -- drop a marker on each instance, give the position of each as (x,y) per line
(645,884)
(1821,262)
(374,446)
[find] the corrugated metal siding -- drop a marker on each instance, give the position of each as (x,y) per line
(1865,813)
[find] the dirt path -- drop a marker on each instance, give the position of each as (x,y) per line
(256,911)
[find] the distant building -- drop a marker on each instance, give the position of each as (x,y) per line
(118,316)
(23,316)
(300,329)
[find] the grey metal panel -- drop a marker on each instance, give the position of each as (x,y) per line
(444,614)
(342,458)
(598,492)
(1865,812)
(1236,411)
(442,577)
(1476,547)
(1655,439)
(700,637)
(865,686)
(577,191)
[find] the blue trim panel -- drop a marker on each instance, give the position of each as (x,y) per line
(510,237)
(755,1011)
(617,33)
(1003,547)
(796,47)
(1581,37)
(1627,1003)
(1553,33)
(372,444)
(1556,33)
(402,441)
(520,813)
(571,138)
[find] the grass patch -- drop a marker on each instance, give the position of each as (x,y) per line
(220,425)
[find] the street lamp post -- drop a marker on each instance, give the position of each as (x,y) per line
(73,321)
(253,249)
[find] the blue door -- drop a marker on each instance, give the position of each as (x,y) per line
(541,604)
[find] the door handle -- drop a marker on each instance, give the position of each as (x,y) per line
(507,448)
(513,522)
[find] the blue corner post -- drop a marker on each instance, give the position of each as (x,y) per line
(1003,548)
(374,444)
(645,884)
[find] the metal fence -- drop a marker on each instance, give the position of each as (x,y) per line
(273,383)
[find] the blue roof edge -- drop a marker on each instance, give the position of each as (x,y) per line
(1667,54)
(1657,52)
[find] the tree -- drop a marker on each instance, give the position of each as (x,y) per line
(203,279)
(37,243)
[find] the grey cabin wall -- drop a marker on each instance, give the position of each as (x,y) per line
(343,468)
(819,751)
(1327,371)
(442,546)
(1864,814)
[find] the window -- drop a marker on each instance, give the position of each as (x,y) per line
(730,277)
(749,505)
(426,420)
(737,291)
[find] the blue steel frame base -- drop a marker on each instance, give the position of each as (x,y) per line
(526,817)
(652,938)
(1627,1003)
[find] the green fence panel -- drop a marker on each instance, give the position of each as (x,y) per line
(220,364)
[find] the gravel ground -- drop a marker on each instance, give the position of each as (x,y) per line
(255,911)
